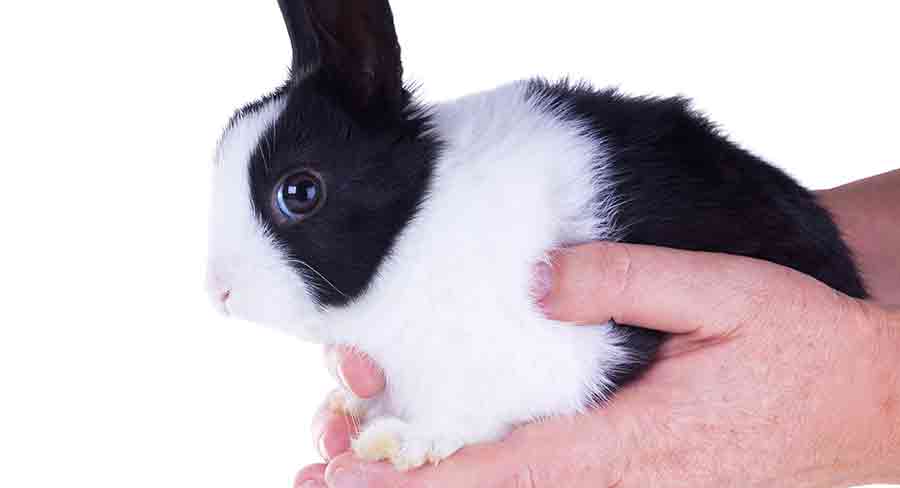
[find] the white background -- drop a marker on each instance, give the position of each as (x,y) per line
(115,371)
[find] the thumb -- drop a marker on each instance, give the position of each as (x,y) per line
(680,292)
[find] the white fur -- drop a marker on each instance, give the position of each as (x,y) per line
(449,315)
(244,259)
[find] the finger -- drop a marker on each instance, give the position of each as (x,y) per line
(359,373)
(474,467)
(674,291)
(546,455)
(311,477)
(332,431)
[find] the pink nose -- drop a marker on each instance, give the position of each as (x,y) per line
(224,296)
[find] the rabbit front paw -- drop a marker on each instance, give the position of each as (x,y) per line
(403,444)
(343,402)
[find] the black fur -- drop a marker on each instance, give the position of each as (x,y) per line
(349,119)
(352,45)
(687,187)
(375,176)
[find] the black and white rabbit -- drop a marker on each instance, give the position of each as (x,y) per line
(347,212)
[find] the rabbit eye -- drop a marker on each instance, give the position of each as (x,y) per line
(299,195)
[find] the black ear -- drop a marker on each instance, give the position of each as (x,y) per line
(352,43)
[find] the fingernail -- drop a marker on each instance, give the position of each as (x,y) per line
(542,282)
(311,484)
(343,478)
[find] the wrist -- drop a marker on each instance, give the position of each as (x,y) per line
(857,427)
(886,448)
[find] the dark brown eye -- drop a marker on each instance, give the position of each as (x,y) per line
(299,195)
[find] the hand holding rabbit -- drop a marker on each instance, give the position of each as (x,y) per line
(759,386)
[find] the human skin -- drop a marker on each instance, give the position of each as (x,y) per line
(771,379)
(868,214)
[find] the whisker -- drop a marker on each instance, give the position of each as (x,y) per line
(268,157)
(274,137)
(320,275)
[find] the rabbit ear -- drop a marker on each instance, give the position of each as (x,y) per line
(303,39)
(353,43)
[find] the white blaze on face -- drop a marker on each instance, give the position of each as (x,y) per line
(248,275)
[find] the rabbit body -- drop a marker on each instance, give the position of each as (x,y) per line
(348,213)
(450,316)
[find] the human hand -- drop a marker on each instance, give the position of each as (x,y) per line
(770,379)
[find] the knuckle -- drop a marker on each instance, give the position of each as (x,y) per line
(591,279)
(614,265)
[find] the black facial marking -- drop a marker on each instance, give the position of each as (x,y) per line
(373,174)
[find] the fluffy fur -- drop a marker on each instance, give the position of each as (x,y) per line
(249,273)
(422,254)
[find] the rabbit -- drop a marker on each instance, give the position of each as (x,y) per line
(346,211)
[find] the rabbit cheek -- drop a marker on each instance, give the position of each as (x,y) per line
(249,275)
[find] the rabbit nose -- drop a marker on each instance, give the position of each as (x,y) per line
(220,299)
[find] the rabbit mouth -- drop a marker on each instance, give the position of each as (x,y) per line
(221,302)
